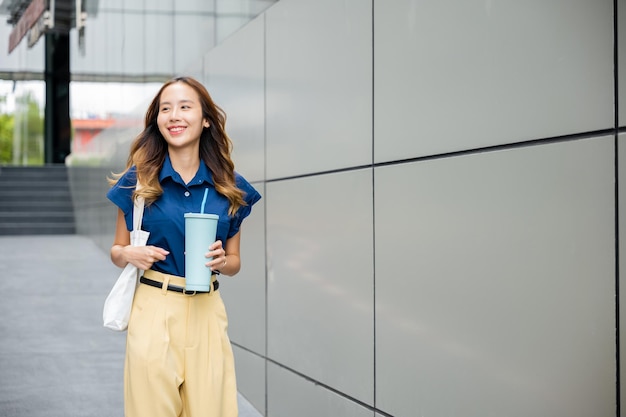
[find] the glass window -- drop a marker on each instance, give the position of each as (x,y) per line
(21,122)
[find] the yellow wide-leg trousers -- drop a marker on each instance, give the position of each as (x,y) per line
(179,361)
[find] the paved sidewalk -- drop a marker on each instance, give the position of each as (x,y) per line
(56,359)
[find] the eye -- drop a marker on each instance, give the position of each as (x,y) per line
(163,109)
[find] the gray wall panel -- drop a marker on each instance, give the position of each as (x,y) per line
(236,80)
(320,289)
(453,75)
(245,294)
(289,395)
(621,44)
(621,146)
(495,283)
(250,377)
(319,86)
(197,71)
(95,215)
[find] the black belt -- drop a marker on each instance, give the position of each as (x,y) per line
(176,288)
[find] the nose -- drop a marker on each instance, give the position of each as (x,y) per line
(174,114)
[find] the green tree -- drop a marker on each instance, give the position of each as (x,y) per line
(6,135)
(29,121)
(25,125)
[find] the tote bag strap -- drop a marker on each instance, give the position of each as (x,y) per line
(138,211)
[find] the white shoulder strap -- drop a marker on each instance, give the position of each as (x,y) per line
(138,211)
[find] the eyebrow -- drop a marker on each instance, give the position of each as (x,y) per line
(181,101)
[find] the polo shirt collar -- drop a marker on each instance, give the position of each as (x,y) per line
(203,174)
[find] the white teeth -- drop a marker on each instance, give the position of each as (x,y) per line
(176,129)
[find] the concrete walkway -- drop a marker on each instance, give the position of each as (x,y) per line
(56,359)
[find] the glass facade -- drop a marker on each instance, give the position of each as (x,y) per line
(127,49)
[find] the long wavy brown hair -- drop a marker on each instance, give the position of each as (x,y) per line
(148,150)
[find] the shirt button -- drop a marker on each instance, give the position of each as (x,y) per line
(186,193)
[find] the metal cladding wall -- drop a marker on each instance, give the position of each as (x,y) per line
(440,227)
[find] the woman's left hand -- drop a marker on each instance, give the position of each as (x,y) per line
(217,252)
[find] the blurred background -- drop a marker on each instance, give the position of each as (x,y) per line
(442,180)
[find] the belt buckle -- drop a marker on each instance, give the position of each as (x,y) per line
(189,293)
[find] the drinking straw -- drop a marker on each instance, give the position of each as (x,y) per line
(206,191)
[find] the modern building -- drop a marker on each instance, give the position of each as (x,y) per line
(440,232)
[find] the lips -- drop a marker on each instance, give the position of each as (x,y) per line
(174,130)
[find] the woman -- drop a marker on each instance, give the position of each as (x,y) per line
(179,361)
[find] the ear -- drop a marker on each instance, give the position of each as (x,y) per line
(205,123)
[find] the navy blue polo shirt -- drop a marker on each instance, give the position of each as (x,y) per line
(164,218)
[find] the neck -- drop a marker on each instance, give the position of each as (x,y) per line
(185,163)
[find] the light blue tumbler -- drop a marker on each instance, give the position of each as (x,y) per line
(200,232)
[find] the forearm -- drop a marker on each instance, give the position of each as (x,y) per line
(232,266)
(118,256)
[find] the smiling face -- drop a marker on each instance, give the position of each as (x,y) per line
(180,119)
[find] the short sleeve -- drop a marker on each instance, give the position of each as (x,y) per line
(251,196)
(121,195)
